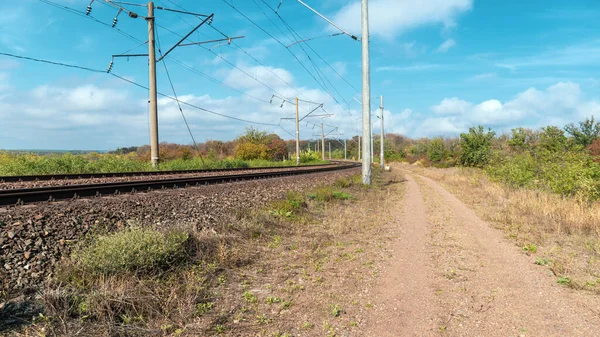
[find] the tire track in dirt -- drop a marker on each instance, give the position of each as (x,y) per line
(404,303)
(488,287)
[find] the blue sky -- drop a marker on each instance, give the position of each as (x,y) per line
(442,65)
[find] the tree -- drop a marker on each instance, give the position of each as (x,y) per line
(586,133)
(437,150)
(553,139)
(476,146)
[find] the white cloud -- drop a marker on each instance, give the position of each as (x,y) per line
(389,18)
(444,47)
(561,103)
(452,106)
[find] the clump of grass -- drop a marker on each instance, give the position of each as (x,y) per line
(134,250)
(328,193)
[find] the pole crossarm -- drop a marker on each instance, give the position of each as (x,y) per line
(329,21)
(228,40)
(315,109)
(186,36)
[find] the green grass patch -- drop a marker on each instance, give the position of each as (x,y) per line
(134,250)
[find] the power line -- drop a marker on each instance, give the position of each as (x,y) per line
(140,86)
(52,62)
(178,104)
(242,50)
(89,17)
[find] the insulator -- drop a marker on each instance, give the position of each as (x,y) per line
(115,20)
(88,10)
(282,104)
(271,102)
(110,66)
(133,15)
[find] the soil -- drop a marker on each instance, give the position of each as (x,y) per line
(452,274)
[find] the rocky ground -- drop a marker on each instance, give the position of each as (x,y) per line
(34,238)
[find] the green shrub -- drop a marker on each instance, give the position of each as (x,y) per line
(476,147)
(437,150)
(516,171)
(134,250)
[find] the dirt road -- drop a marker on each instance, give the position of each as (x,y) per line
(451,274)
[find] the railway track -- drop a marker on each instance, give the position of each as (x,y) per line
(53,193)
(46,177)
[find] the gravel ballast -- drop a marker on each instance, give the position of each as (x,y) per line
(33,239)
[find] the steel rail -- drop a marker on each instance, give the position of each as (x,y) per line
(54,193)
(46,177)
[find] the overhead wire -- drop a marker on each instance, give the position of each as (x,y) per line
(164,62)
(140,86)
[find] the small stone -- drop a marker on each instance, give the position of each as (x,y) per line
(7,266)
(11,234)
(27,255)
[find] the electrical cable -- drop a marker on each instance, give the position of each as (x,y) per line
(140,86)
(178,104)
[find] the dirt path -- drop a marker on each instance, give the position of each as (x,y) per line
(452,274)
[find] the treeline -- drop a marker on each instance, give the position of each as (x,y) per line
(560,160)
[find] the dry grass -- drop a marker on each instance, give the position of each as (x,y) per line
(296,267)
(564,231)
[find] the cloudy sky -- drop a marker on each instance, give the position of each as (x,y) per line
(442,66)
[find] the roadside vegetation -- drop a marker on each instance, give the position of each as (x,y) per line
(294,266)
(542,187)
(253,149)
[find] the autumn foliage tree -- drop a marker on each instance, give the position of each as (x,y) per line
(255,144)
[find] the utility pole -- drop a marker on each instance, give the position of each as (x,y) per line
(359,142)
(345,152)
(329,150)
(322,142)
(366,91)
(152,61)
(381,139)
(297,133)
(154,151)
(371,135)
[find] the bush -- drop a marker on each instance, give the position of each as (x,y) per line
(310,157)
(133,250)
(476,147)
(517,171)
(437,151)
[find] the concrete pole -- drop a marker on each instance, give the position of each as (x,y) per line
(371,134)
(382,139)
(366,91)
(297,134)
(329,150)
(359,142)
(345,152)
(154,151)
(322,142)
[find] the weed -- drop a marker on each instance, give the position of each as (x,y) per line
(132,250)
(343,183)
(220,328)
(307,325)
(342,195)
(541,261)
(273,300)
(262,319)
(276,242)
(203,308)
(353,324)
(286,304)
(530,248)
(336,310)
(564,281)
(249,297)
